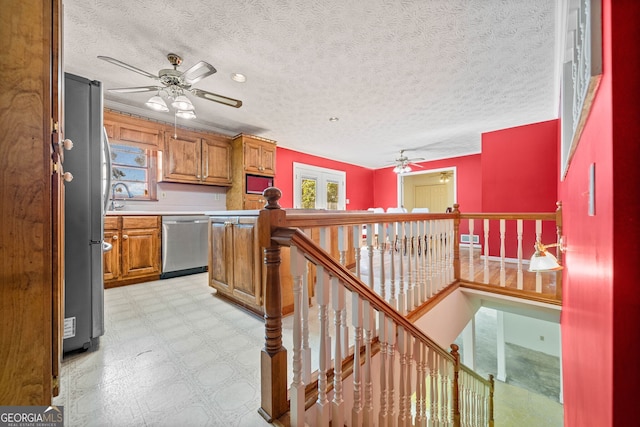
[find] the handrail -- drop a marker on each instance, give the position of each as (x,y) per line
(295,237)
(545,216)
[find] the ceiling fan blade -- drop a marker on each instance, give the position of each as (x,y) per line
(197,72)
(136,89)
(216,98)
(128,67)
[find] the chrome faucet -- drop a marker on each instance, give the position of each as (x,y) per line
(114,205)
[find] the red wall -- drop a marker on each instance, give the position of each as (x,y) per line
(359,179)
(601,307)
(469,176)
(520,168)
(520,174)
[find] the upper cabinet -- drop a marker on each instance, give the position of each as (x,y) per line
(196,158)
(132,130)
(259,155)
(250,155)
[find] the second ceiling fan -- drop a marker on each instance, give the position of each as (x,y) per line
(174,84)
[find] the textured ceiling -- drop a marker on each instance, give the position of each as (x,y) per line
(425,75)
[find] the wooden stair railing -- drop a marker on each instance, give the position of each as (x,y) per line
(405,350)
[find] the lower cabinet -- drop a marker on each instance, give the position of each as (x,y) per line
(235,262)
(135,253)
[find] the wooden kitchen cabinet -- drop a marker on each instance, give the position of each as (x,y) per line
(135,255)
(133,131)
(235,262)
(195,158)
(259,155)
(250,155)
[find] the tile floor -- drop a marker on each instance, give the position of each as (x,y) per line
(175,355)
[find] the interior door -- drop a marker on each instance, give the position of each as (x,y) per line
(318,188)
(434,197)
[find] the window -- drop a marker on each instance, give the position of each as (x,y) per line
(318,188)
(136,168)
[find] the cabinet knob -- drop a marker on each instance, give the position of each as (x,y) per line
(67,176)
(67,144)
(125,237)
(115,237)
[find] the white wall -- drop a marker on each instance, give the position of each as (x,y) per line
(534,334)
(182,197)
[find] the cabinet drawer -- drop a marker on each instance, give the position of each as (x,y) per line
(140,222)
(111,223)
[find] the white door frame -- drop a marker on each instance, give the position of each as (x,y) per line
(400,184)
(323,175)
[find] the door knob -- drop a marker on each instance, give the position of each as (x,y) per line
(67,176)
(115,237)
(125,237)
(67,144)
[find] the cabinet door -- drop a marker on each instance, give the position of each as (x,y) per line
(216,162)
(252,156)
(111,259)
(253,201)
(221,255)
(140,252)
(268,159)
(247,263)
(181,159)
(132,130)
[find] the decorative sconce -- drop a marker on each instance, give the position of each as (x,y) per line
(542,260)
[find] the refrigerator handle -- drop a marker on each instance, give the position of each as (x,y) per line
(107,153)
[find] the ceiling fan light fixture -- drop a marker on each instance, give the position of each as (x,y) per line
(182,103)
(157,103)
(186,114)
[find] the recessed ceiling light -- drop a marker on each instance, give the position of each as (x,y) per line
(237,77)
(333,119)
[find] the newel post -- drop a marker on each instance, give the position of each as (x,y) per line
(456,393)
(456,241)
(273,358)
(559,251)
(491,391)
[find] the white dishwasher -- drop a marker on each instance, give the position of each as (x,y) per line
(184,245)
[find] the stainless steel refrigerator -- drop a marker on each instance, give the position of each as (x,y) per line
(84,211)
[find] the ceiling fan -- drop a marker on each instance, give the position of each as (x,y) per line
(403,163)
(174,84)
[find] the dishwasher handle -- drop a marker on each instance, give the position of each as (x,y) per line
(203,221)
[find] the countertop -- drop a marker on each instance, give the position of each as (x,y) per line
(157,213)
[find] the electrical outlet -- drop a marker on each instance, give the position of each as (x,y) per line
(164,195)
(541,337)
(347,201)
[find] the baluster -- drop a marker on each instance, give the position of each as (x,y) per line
(519,279)
(418,354)
(434,414)
(368,326)
(415,250)
(450,247)
(407,393)
(381,249)
(486,251)
(402,299)
(402,389)
(338,297)
(370,239)
(502,252)
(408,236)
(391,352)
(472,274)
(356,321)
(357,238)
(322,404)
(439,255)
(422,277)
(539,239)
(297,390)
(384,341)
(343,243)
(444,391)
(306,348)
(392,273)
(430,260)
